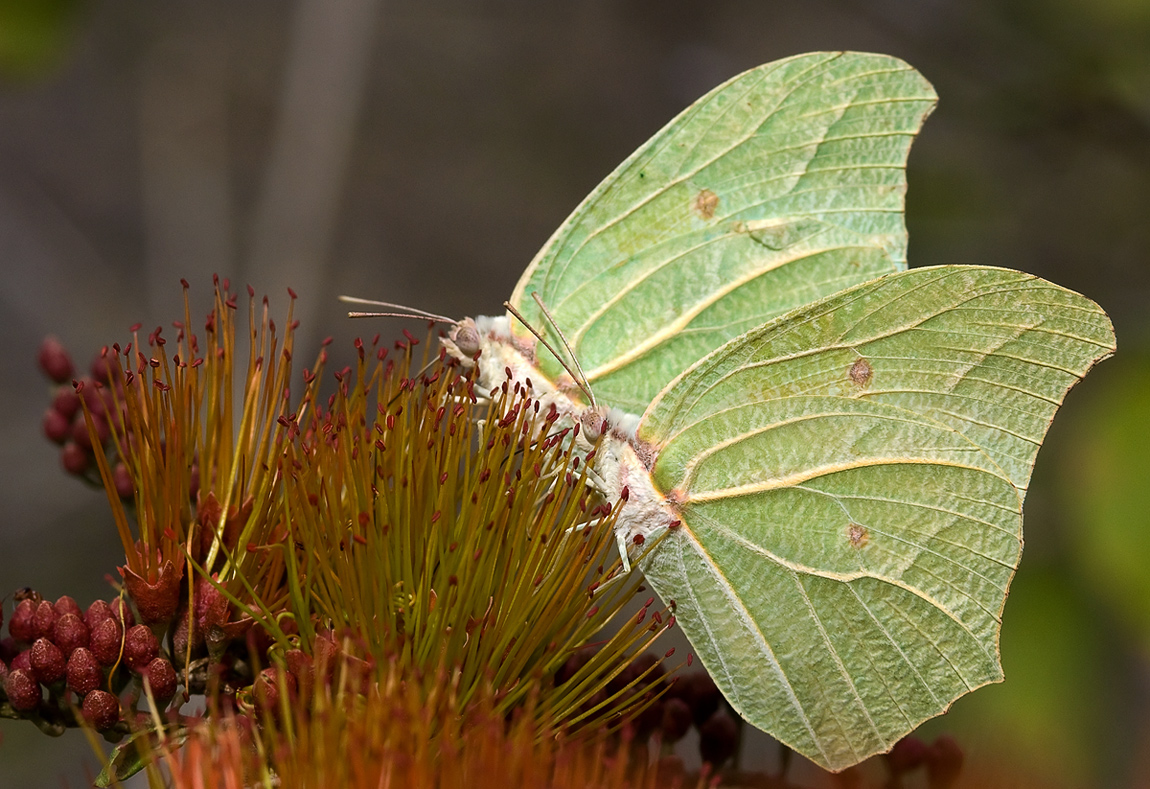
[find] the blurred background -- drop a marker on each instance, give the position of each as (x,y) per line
(422,152)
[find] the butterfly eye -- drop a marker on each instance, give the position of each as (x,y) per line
(466,337)
(594,424)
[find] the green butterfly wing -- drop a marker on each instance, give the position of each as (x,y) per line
(777,188)
(850,480)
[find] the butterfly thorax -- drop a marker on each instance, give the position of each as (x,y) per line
(622,462)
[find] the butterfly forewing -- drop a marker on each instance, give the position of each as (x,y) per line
(781,186)
(850,479)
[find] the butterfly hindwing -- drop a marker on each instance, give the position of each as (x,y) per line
(779,187)
(850,480)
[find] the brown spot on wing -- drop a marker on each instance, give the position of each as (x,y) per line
(858,535)
(705,203)
(861,372)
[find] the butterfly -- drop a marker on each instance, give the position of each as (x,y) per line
(834,449)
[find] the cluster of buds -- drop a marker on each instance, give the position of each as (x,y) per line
(58,656)
(942,759)
(670,707)
(64,423)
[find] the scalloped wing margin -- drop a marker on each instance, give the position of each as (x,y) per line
(779,187)
(850,479)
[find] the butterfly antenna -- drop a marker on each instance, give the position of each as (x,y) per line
(396,310)
(586,385)
(580,381)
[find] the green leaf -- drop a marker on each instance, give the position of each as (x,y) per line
(777,188)
(133,755)
(850,479)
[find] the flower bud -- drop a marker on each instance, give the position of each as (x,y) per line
(84,673)
(267,687)
(24,692)
(302,668)
(55,362)
(44,620)
(67,605)
(123,613)
(122,479)
(700,692)
(22,626)
(70,633)
(102,709)
(718,738)
(676,719)
(57,427)
(48,662)
(105,642)
(162,678)
(906,755)
(66,403)
(97,612)
(140,647)
(74,459)
(944,762)
(23,661)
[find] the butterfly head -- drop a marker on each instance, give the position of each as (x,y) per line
(463,341)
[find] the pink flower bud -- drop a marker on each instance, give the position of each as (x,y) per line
(48,662)
(23,661)
(67,605)
(84,673)
(22,626)
(267,687)
(97,612)
(70,633)
(162,677)
(122,478)
(66,403)
(102,709)
(718,738)
(24,692)
(54,361)
(123,612)
(57,427)
(944,762)
(906,755)
(676,720)
(105,641)
(140,647)
(74,459)
(44,620)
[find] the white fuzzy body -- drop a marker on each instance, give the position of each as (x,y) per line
(646,512)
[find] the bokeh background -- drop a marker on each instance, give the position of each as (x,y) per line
(422,152)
